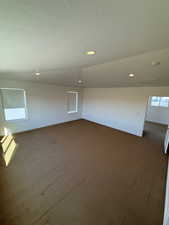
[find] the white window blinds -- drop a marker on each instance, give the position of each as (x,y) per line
(160,101)
(72,101)
(14,103)
(13,98)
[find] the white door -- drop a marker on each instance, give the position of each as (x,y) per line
(166,142)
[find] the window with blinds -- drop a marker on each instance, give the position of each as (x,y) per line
(160,101)
(72,102)
(14,103)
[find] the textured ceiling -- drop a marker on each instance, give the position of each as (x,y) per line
(52,36)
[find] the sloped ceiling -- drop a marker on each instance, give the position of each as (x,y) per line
(52,37)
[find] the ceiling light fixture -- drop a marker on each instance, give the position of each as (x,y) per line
(157,63)
(37,73)
(131,75)
(80,81)
(91,52)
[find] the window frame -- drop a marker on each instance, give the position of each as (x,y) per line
(76,93)
(25,101)
(164,106)
(159,102)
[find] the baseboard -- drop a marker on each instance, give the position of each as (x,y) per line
(158,123)
(38,128)
(96,122)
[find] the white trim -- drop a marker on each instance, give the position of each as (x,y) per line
(166,206)
(72,112)
(48,125)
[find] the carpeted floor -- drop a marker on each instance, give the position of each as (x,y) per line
(82,173)
(155,131)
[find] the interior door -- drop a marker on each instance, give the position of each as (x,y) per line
(166,142)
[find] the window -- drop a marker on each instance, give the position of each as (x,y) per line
(72,102)
(160,101)
(14,103)
(155,101)
(164,102)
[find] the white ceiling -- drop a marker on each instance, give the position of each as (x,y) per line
(52,36)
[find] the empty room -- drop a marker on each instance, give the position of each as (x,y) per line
(84,112)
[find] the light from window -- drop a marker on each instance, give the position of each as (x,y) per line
(164,101)
(155,101)
(160,101)
(14,103)
(72,102)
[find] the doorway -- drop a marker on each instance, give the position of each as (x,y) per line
(157,118)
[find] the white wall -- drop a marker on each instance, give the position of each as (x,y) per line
(120,108)
(47,105)
(157,114)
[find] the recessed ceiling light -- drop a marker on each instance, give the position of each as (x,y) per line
(37,73)
(157,63)
(131,75)
(80,81)
(91,52)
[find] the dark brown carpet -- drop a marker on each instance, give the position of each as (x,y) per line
(155,132)
(82,173)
